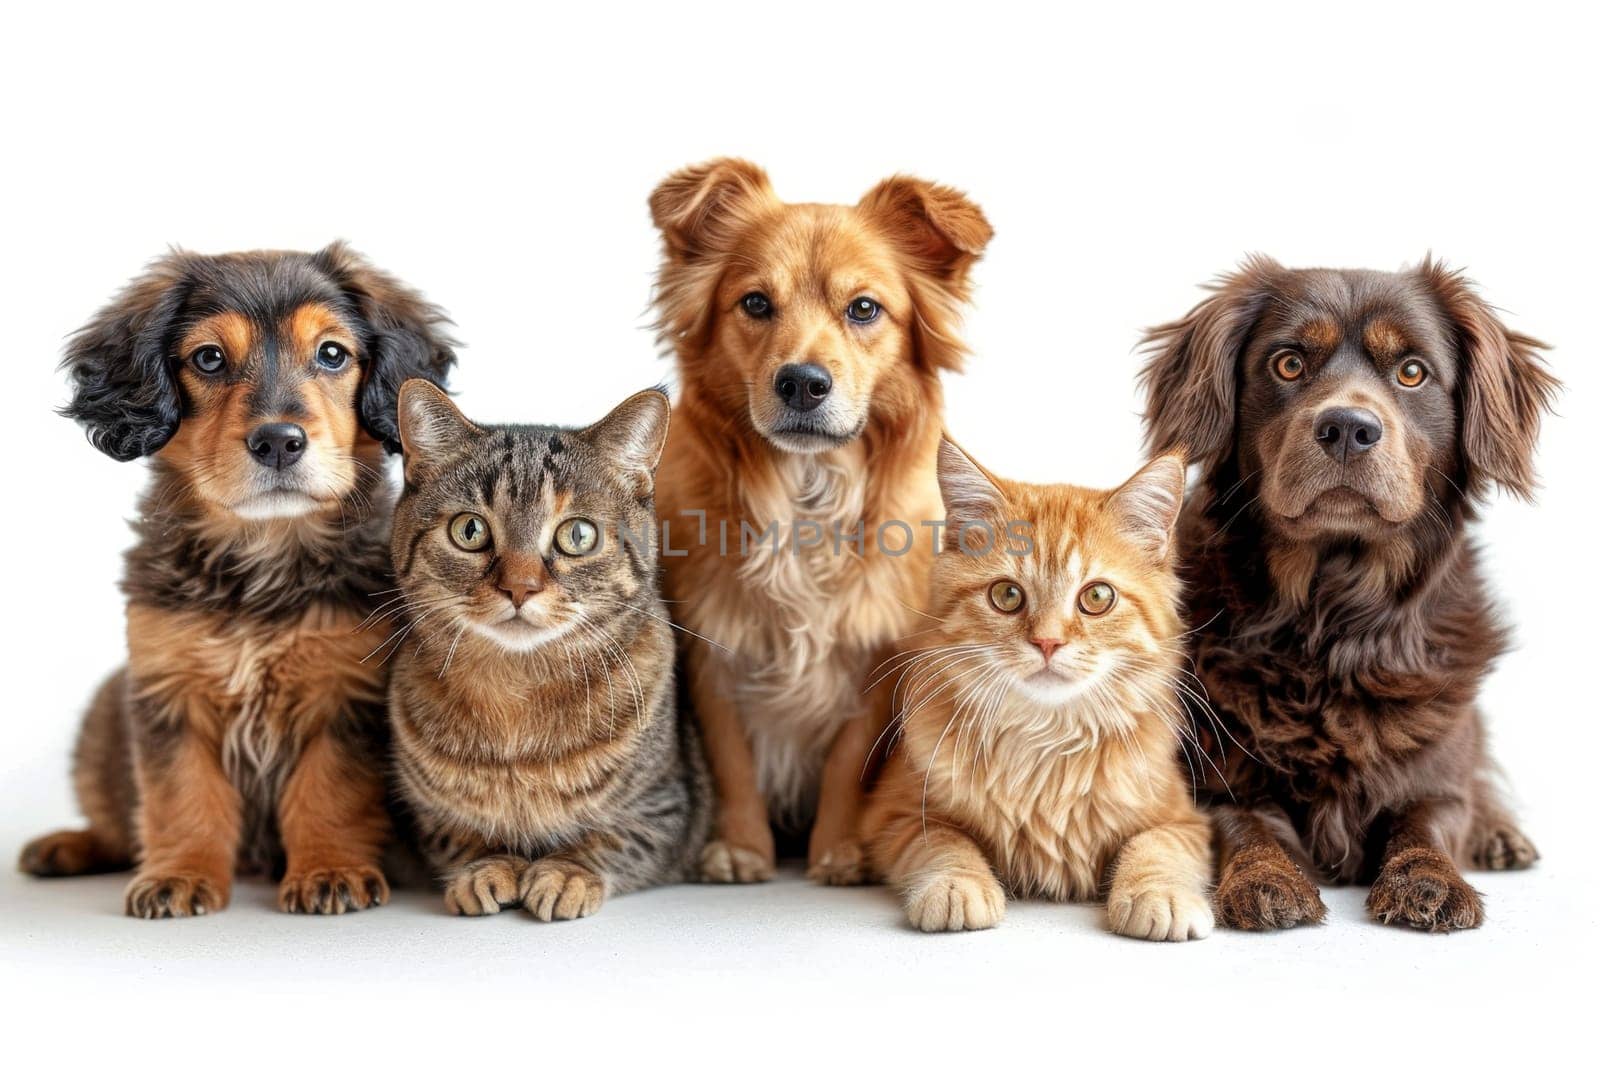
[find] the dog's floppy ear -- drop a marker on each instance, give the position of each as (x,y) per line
(405,337)
(942,234)
(633,436)
(1190,379)
(942,231)
(124,390)
(701,210)
(1504,387)
(430,427)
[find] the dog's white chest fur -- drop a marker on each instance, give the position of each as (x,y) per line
(805,622)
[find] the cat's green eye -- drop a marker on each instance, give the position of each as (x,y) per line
(1006,596)
(469,532)
(577,537)
(1097,598)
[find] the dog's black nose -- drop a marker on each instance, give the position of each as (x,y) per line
(802,385)
(277,444)
(1345,433)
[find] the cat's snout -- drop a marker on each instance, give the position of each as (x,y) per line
(1046,645)
(521,578)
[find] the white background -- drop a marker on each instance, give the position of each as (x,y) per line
(500,159)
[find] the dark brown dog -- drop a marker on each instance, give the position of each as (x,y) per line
(1346,424)
(247,728)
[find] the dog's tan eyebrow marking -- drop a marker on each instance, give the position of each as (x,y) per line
(311,323)
(228,330)
(1321,334)
(1384,339)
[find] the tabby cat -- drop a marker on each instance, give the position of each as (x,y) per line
(1038,729)
(538,745)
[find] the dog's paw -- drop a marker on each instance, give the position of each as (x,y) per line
(1421,888)
(845,863)
(333,891)
(1160,914)
(62,854)
(957,900)
(484,886)
(723,861)
(1267,895)
(174,895)
(1501,847)
(559,889)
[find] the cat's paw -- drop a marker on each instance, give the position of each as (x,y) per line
(174,895)
(1501,847)
(333,891)
(844,863)
(560,889)
(723,861)
(956,900)
(1267,894)
(484,886)
(1421,888)
(1160,914)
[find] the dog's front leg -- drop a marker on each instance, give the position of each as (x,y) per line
(333,823)
(189,818)
(743,849)
(1261,887)
(1419,883)
(835,855)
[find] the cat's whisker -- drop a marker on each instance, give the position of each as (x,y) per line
(679,627)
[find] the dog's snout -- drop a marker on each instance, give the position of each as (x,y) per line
(802,386)
(1345,433)
(277,444)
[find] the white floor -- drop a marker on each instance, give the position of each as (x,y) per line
(785,963)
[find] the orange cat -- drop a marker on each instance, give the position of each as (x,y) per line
(1037,751)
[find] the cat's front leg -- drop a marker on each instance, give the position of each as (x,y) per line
(1158,887)
(946,881)
(572,882)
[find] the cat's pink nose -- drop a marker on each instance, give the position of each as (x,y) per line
(1047,645)
(521,578)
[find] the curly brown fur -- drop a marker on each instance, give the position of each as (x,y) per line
(247,730)
(1342,628)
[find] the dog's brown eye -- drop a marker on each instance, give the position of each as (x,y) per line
(1411,373)
(331,356)
(863,309)
(756,305)
(208,360)
(577,537)
(1097,598)
(1006,596)
(469,532)
(1289,366)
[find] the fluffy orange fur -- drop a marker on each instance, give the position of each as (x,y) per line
(788,631)
(1038,725)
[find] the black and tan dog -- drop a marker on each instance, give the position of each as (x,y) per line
(245,733)
(1347,424)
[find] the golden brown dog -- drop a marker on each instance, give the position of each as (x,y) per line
(246,731)
(799,476)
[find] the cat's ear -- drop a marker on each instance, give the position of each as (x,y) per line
(634,435)
(970,493)
(1146,506)
(432,428)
